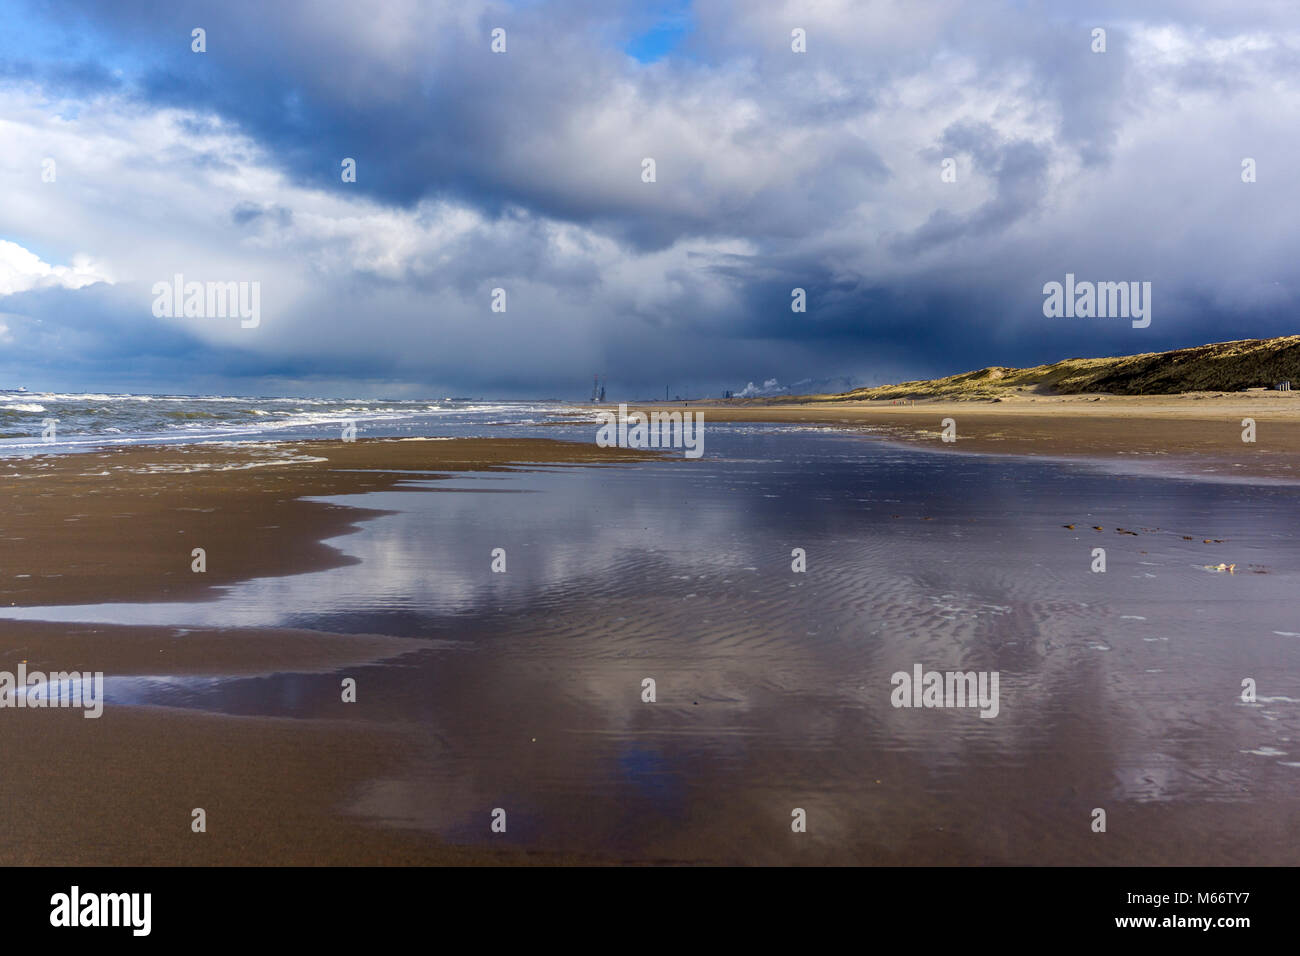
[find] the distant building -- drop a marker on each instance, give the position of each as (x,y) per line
(1284,386)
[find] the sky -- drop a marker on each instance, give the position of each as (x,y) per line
(126,158)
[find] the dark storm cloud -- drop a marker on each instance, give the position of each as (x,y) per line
(442,116)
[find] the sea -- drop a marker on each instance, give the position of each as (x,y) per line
(92,420)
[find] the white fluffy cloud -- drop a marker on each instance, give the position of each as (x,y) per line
(21,270)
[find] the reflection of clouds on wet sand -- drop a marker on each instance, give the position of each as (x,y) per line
(1118,690)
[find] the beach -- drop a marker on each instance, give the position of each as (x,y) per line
(524,690)
(1198,433)
(861,436)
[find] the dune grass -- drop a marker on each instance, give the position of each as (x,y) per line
(1220,367)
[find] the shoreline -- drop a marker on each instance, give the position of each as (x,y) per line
(1192,435)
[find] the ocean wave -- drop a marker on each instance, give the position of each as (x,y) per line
(97,419)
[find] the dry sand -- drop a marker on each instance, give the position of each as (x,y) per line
(1191,433)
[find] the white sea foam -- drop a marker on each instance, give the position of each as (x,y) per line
(173,468)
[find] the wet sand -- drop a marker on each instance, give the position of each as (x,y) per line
(1196,433)
(119,525)
(322,788)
